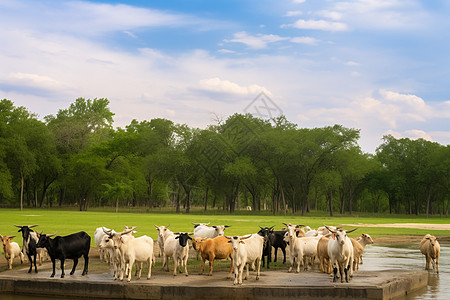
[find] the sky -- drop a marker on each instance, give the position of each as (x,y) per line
(381,66)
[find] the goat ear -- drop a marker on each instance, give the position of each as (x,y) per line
(333,236)
(177,237)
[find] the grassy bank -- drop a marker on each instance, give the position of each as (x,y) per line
(66,222)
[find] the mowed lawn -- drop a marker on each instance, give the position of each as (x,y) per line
(67,222)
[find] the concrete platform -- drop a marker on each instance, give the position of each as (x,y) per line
(386,284)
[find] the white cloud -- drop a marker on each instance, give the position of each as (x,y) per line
(34,80)
(228,87)
(259,41)
(294,13)
(304,40)
(418,134)
(298,1)
(318,25)
(352,64)
(226,51)
(333,15)
(382,14)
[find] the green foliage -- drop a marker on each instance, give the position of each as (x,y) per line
(76,158)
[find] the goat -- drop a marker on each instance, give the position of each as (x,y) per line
(71,246)
(11,250)
(246,250)
(29,244)
(267,234)
(429,246)
(340,251)
(212,249)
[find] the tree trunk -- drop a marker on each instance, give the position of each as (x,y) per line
(62,195)
(149,191)
(330,203)
(188,201)
(21,190)
(342,200)
(350,201)
(428,200)
(177,204)
(284,200)
(206,198)
(117,204)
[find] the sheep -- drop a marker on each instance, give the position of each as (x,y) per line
(429,246)
(11,250)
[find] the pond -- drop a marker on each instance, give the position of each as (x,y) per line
(377,258)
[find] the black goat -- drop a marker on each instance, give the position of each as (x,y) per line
(72,246)
(277,238)
(267,234)
(29,244)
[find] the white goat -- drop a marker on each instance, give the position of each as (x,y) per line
(246,250)
(99,235)
(161,231)
(340,251)
(176,246)
(202,230)
(429,246)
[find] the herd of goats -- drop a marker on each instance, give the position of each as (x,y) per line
(336,253)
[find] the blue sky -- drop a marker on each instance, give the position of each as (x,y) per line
(382,66)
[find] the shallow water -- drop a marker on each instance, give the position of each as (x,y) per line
(377,258)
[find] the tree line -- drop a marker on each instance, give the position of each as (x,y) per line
(76,157)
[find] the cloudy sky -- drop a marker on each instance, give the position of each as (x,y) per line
(382,66)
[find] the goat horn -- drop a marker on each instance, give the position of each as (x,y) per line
(329,229)
(351,230)
(246,237)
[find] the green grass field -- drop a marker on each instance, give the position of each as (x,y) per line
(67,221)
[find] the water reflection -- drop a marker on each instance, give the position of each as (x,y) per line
(378,258)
